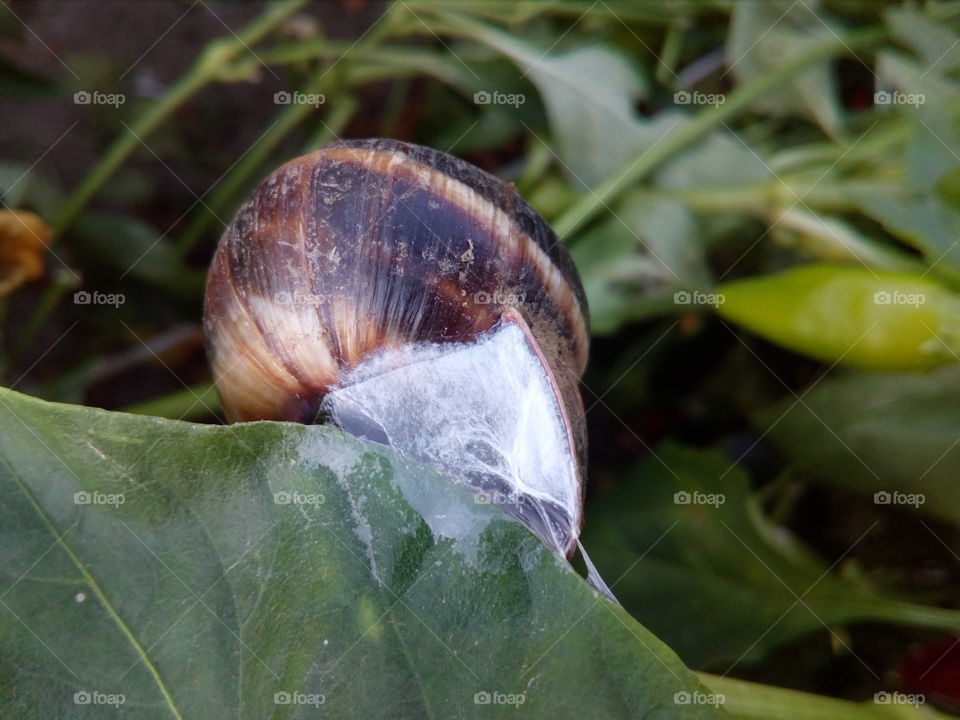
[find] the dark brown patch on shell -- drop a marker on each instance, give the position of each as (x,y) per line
(375,243)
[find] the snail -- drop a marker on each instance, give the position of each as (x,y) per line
(412,299)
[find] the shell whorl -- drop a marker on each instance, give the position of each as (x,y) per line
(374,244)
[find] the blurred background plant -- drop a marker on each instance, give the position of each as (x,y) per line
(763,199)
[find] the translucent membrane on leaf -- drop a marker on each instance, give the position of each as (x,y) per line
(486,412)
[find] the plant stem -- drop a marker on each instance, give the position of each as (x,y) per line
(897,612)
(753,701)
(212,64)
(519,13)
(736,102)
(238,176)
(405,60)
(340,115)
(325,79)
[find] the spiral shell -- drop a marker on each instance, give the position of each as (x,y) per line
(373,245)
(369,244)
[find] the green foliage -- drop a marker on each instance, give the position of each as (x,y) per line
(743,186)
(692,553)
(878,433)
(200,571)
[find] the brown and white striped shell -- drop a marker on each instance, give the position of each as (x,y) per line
(370,245)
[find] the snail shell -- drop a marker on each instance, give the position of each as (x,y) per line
(371,248)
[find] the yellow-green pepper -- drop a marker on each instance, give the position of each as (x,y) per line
(864,318)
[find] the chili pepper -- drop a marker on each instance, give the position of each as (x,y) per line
(863,318)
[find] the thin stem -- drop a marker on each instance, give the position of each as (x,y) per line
(220,198)
(739,100)
(336,121)
(592,203)
(213,64)
(519,13)
(896,612)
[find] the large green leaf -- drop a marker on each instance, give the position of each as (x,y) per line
(380,588)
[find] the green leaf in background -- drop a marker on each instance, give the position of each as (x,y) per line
(136,249)
(720,161)
(490,121)
(589,93)
(764,35)
(632,264)
(685,546)
(271,570)
(850,315)
(878,433)
(915,210)
(933,42)
(22,187)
